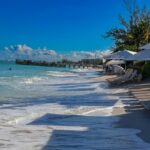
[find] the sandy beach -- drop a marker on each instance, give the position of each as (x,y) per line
(78,110)
(133,114)
(72,75)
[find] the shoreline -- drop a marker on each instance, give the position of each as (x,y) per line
(132,115)
(81,110)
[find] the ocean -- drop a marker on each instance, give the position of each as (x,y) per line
(21,81)
(44,108)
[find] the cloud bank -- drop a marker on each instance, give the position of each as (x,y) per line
(43,54)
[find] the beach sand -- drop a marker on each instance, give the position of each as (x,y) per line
(83,113)
(133,114)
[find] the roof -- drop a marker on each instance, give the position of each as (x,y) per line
(143,55)
(147,46)
(122,55)
(115,62)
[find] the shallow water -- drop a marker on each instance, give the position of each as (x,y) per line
(55,109)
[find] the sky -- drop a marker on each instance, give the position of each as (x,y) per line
(60,25)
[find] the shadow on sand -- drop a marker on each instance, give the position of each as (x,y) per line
(96,132)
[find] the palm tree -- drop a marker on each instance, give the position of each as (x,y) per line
(135,31)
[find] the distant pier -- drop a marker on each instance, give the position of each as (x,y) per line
(53,64)
(85,63)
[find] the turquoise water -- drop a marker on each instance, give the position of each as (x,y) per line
(24,70)
(18,81)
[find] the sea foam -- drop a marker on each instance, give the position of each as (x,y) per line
(73,112)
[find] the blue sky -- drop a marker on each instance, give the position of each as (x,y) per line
(62,25)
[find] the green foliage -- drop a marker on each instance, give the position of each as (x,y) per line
(139,64)
(135,31)
(146,70)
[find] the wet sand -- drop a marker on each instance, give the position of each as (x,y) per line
(133,114)
(82,113)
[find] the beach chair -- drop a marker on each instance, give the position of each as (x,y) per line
(118,70)
(120,78)
(139,77)
(131,77)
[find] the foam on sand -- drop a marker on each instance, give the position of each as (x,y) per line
(75,114)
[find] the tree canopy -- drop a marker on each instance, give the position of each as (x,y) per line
(134,31)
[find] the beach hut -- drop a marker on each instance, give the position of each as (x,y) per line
(121,55)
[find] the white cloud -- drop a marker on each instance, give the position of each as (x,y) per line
(25,52)
(76,56)
(44,54)
(16,51)
(86,55)
(45,51)
(106,52)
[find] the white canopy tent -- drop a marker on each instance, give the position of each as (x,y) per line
(143,55)
(121,55)
(115,62)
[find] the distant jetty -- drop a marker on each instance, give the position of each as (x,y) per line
(84,63)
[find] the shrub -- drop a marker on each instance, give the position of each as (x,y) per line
(146,70)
